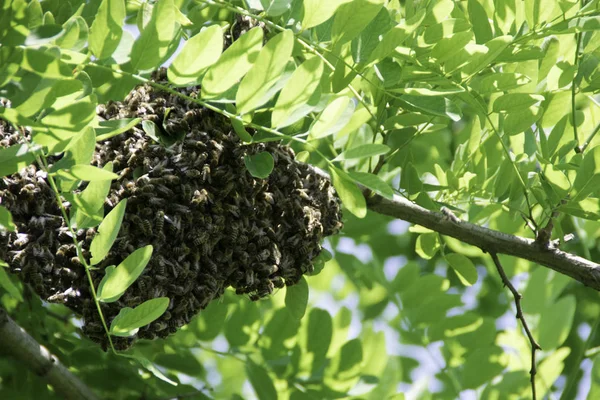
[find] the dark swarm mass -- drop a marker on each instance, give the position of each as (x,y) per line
(212,224)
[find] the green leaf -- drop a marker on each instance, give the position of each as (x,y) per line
(396,36)
(517,122)
(364,151)
(16,157)
(89,204)
(319,333)
(349,193)
(500,82)
(259,165)
(434,105)
(343,371)
(233,64)
(129,320)
(117,280)
(114,127)
(410,180)
(428,92)
(6,221)
(86,172)
(374,183)
(333,118)
(352,18)
(107,232)
(238,126)
(555,323)
(494,48)
(479,20)
(79,151)
(303,156)
(198,53)
(464,268)
(427,245)
(152,47)
(317,11)
(481,365)
(588,175)
(296,299)
(514,102)
(268,68)
(297,91)
(275,8)
(445,29)
(6,283)
(106,30)
(260,381)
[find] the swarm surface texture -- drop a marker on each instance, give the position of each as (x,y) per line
(211,224)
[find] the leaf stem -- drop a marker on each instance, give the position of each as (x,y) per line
(574,91)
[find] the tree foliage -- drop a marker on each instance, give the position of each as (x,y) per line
(484,111)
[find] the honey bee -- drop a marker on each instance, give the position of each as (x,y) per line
(267,269)
(200,197)
(157,202)
(171,179)
(278,282)
(193,173)
(94,327)
(205,174)
(22,240)
(159,221)
(158,326)
(200,237)
(268,197)
(182,250)
(304,249)
(263,255)
(147,189)
(146,227)
(164,191)
(263,241)
(176,289)
(211,265)
(227,188)
(179,208)
(234,233)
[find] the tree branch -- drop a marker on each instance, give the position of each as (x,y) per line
(18,343)
(491,241)
(534,345)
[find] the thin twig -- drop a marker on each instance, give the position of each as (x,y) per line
(534,345)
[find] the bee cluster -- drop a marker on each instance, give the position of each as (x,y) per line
(212,224)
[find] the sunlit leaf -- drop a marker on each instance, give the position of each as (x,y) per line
(349,193)
(463,267)
(198,53)
(107,232)
(233,64)
(129,320)
(117,280)
(269,65)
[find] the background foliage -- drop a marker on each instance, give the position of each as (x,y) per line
(489,108)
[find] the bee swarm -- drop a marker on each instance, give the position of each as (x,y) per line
(212,224)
